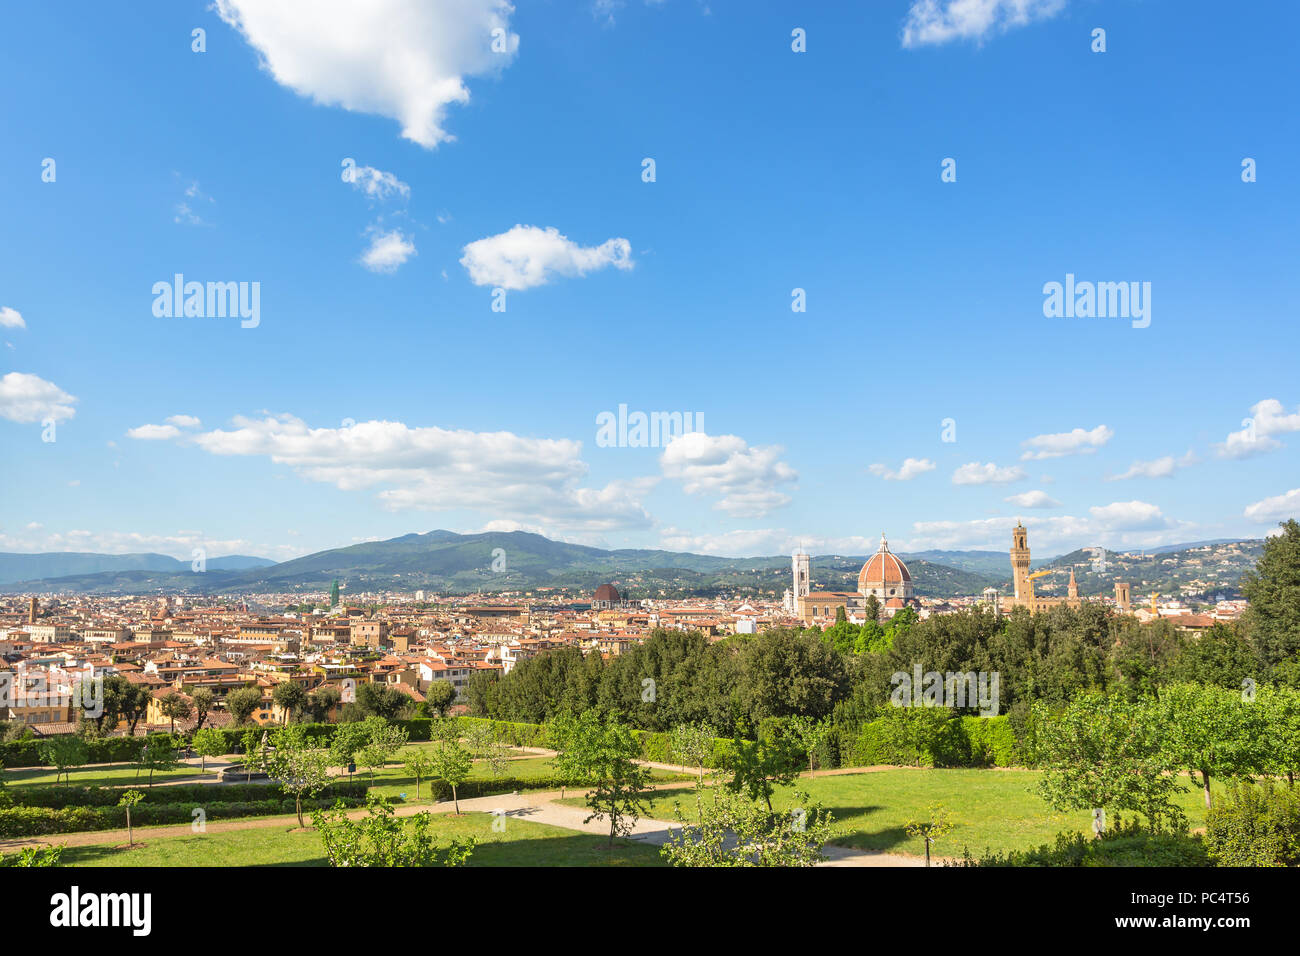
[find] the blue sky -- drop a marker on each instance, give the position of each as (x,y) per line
(379,393)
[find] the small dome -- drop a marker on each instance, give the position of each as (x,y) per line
(607,592)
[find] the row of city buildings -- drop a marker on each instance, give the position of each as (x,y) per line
(50,646)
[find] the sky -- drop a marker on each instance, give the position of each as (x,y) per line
(472,231)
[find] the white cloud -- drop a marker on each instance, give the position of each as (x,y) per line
(747,478)
(388,251)
(940,21)
(1033,499)
(1277,508)
(378,184)
(183,421)
(910,468)
(1074,442)
(1118,525)
(1129,516)
(1267,418)
(528,256)
(762,542)
(11,319)
(1157,468)
(28,398)
(987,473)
(506,476)
(407,61)
(153,432)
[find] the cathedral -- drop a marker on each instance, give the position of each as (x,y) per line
(884,577)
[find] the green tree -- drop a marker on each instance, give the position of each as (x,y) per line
(1280,740)
(692,744)
(451,762)
(757,767)
(347,742)
(157,756)
(380,839)
(933,828)
(419,765)
(810,735)
(252,743)
(1213,732)
(208,742)
(175,706)
(64,753)
(242,703)
(603,753)
(290,697)
(1273,590)
(1106,752)
(129,799)
(440,696)
(202,699)
(734,831)
(300,768)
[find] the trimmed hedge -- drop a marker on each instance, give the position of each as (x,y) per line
(43,821)
(57,798)
(27,753)
(960,742)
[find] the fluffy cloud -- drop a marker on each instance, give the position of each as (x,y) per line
(1129,516)
(28,398)
(407,61)
(531,480)
(1033,499)
(1130,524)
(1267,418)
(184,421)
(1074,442)
(388,251)
(11,319)
(153,432)
(1157,468)
(1277,508)
(528,256)
(910,468)
(747,478)
(378,184)
(975,473)
(940,21)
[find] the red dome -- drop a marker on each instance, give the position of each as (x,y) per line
(607,592)
(883,569)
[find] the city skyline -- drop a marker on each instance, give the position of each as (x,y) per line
(359,384)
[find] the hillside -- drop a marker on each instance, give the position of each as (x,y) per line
(449,563)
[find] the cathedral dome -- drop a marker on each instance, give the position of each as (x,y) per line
(607,592)
(884,570)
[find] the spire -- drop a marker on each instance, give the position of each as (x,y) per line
(884,545)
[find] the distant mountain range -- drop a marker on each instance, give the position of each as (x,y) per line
(446,562)
(58,564)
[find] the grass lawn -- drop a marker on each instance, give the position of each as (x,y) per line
(522,843)
(998,810)
(121,775)
(395,781)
